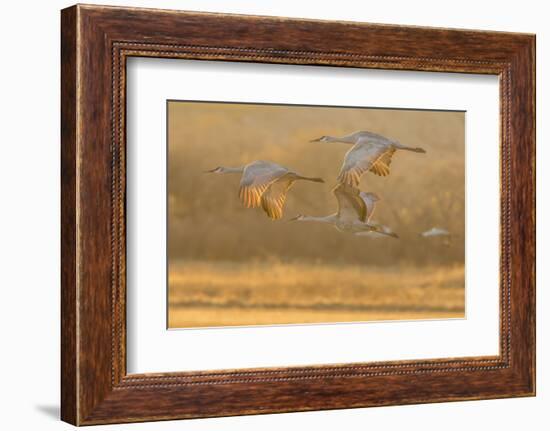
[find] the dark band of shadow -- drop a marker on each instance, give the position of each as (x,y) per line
(52,411)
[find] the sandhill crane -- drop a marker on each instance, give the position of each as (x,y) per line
(353,213)
(370,152)
(265,183)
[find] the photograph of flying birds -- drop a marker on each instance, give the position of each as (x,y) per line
(229,266)
(266,183)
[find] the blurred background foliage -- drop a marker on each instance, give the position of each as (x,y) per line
(207,221)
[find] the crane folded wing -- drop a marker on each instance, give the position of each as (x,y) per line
(351,206)
(370,203)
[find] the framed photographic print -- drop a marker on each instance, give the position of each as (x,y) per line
(266,215)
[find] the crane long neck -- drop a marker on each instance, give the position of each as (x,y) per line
(342,139)
(325,219)
(230,170)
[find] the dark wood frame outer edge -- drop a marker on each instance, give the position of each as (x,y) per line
(95,43)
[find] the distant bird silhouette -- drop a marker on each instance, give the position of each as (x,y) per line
(444,234)
(265,184)
(370,152)
(353,212)
(435,231)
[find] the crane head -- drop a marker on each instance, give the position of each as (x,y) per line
(296,218)
(216,170)
(321,139)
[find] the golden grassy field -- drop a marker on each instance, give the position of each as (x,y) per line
(227,294)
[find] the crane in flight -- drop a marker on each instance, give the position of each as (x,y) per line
(370,152)
(439,232)
(355,209)
(435,231)
(265,184)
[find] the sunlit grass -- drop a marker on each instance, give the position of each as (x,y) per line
(223,293)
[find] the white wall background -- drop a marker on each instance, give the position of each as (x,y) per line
(29,215)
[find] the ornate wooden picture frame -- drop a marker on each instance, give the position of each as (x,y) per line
(96,41)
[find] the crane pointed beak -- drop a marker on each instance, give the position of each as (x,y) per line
(209,171)
(294,218)
(316,140)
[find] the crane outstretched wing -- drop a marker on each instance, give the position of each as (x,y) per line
(363,157)
(351,207)
(381,166)
(274,198)
(256,178)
